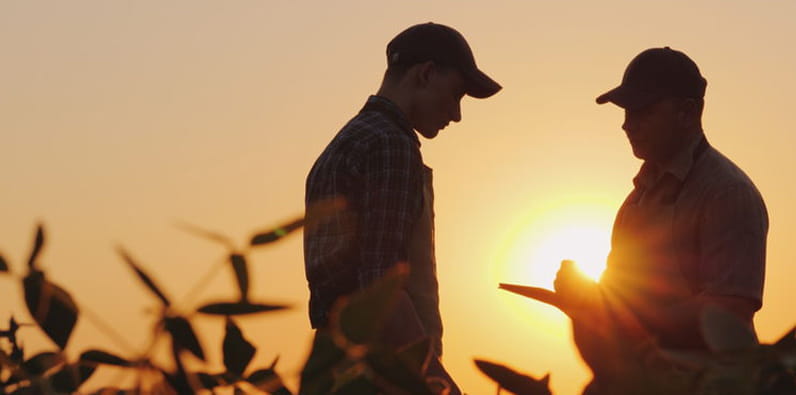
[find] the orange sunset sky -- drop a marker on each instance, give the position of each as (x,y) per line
(120,118)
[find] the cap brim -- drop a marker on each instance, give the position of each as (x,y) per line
(479,85)
(627,98)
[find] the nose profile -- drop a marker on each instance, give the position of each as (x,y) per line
(627,124)
(456,116)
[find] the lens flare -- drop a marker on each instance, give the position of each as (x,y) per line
(534,251)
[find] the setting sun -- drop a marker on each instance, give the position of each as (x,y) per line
(576,228)
(580,233)
(118,119)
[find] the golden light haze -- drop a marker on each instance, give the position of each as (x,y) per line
(119,118)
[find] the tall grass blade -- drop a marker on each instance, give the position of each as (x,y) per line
(241,270)
(38,243)
(183,336)
(238,308)
(277,233)
(210,235)
(145,278)
(104,357)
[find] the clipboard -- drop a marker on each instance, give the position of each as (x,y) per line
(541,294)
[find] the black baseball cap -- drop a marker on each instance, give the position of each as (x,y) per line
(654,74)
(443,45)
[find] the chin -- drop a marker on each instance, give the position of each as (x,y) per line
(428,133)
(639,152)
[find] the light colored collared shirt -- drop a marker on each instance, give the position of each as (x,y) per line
(696,225)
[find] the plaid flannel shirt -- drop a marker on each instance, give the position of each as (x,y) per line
(374,164)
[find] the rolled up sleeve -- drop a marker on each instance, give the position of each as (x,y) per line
(733,244)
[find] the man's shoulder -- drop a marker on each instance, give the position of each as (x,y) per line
(368,133)
(716,174)
(723,169)
(373,127)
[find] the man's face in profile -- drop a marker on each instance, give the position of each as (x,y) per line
(438,102)
(654,131)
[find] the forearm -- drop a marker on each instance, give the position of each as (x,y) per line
(680,323)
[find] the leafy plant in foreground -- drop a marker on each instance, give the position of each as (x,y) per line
(56,314)
(346,359)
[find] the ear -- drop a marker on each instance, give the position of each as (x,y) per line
(423,73)
(688,111)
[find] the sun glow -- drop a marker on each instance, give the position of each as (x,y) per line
(534,251)
(586,244)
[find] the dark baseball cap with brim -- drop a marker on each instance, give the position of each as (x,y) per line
(655,74)
(445,46)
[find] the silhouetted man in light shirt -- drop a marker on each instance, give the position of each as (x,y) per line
(692,232)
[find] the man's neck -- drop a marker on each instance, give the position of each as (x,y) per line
(397,97)
(679,162)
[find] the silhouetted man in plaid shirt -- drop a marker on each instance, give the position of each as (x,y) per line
(374,166)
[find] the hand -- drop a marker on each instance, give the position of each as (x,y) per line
(575,289)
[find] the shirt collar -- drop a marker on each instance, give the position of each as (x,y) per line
(679,166)
(391,110)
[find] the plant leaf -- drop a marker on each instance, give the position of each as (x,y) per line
(17,354)
(209,381)
(51,307)
(394,370)
(10,362)
(11,332)
(71,377)
(38,243)
(179,383)
(238,352)
(358,385)
(517,383)
(277,233)
(416,356)
(360,317)
(146,279)
(725,332)
(183,336)
(268,380)
(238,308)
(214,236)
(317,374)
(320,211)
(241,270)
(115,391)
(41,363)
(103,357)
